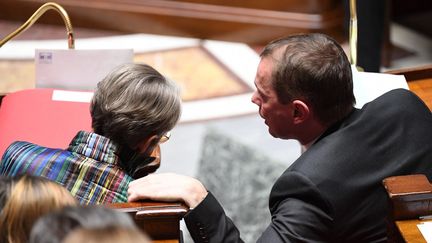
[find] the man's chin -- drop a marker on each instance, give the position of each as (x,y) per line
(272,133)
(278,135)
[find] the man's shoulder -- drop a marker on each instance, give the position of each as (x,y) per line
(399,98)
(396,107)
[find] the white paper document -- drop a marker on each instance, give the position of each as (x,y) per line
(72,96)
(426,230)
(368,86)
(77,69)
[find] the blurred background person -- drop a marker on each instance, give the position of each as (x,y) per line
(6,183)
(27,198)
(106,235)
(54,227)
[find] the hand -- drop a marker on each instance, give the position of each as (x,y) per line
(168,187)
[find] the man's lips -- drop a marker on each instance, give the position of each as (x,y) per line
(261,115)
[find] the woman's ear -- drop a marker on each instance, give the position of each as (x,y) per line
(301,111)
(147,145)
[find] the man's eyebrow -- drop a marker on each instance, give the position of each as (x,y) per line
(260,91)
(256,86)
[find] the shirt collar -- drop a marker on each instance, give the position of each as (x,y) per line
(305,147)
(95,146)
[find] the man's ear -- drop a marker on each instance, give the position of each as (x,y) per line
(145,145)
(301,111)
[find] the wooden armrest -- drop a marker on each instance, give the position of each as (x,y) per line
(160,220)
(410,196)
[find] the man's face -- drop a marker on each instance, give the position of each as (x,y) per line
(278,117)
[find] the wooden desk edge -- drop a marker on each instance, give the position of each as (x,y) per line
(165,241)
(410,231)
(152,208)
(414,73)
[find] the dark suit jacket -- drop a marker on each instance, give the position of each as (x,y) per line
(333,191)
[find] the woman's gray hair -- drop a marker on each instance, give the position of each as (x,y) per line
(134,102)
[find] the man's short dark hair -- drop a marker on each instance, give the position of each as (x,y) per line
(312,67)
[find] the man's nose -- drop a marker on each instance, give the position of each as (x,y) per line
(255,99)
